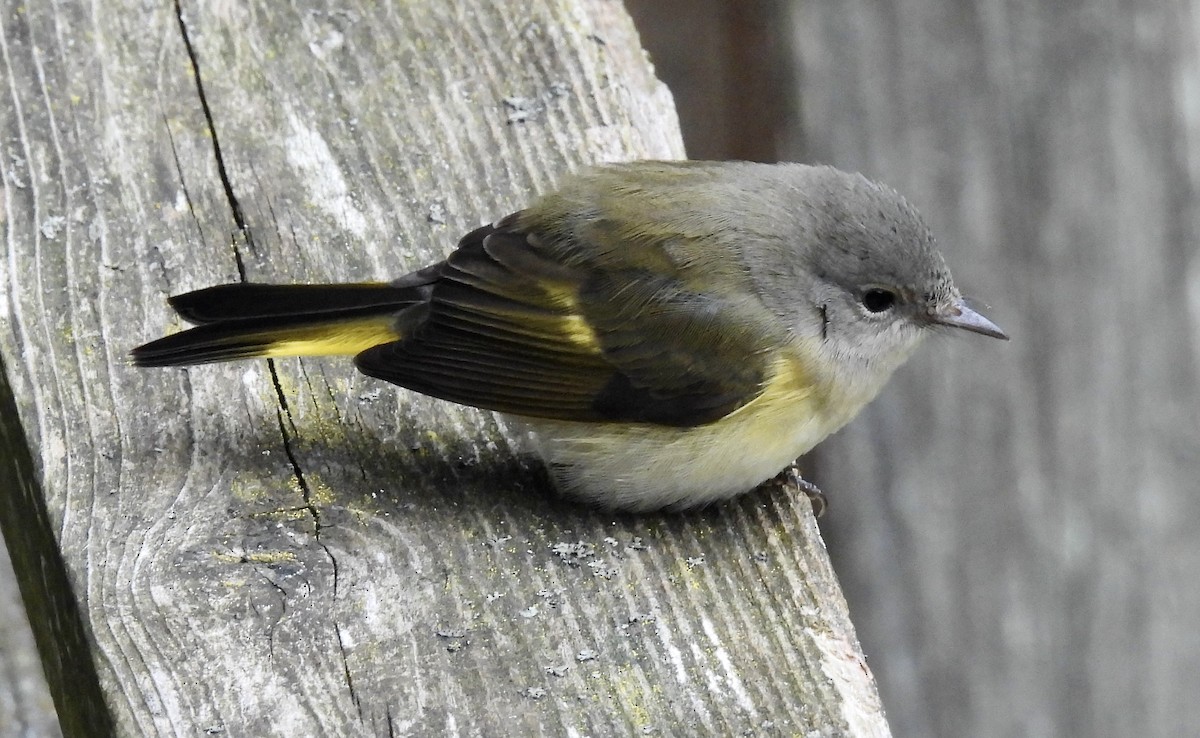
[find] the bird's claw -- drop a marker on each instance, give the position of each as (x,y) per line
(790,477)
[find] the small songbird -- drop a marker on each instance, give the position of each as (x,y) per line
(669,333)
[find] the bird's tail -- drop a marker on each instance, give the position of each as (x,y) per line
(242,321)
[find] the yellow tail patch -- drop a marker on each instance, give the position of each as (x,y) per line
(332,339)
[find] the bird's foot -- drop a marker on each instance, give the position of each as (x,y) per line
(790,477)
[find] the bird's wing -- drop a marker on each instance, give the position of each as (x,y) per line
(519,328)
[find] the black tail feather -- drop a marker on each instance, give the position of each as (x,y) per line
(203,345)
(248,300)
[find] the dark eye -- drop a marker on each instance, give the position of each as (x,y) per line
(876,300)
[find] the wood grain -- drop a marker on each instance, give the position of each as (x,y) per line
(290,548)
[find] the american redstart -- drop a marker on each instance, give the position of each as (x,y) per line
(669,333)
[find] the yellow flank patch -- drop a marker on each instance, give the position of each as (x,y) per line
(794,412)
(789,383)
(333,339)
(789,402)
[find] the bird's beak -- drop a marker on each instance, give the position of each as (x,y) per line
(959,315)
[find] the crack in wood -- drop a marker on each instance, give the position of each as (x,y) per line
(337,629)
(281,412)
(187,195)
(244,231)
(235,206)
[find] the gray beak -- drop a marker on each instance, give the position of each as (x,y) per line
(959,315)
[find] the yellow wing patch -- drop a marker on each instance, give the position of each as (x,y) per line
(576,330)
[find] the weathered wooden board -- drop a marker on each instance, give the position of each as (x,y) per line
(289,548)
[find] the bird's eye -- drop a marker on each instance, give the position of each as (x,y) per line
(877,300)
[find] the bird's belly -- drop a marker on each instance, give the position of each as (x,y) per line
(645,467)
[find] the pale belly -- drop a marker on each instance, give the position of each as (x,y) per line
(645,467)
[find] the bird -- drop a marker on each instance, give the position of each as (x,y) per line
(668,334)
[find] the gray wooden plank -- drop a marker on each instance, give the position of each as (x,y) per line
(290,548)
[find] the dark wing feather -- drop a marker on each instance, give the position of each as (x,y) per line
(683,357)
(510,327)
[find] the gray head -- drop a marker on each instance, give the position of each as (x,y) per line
(871,279)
